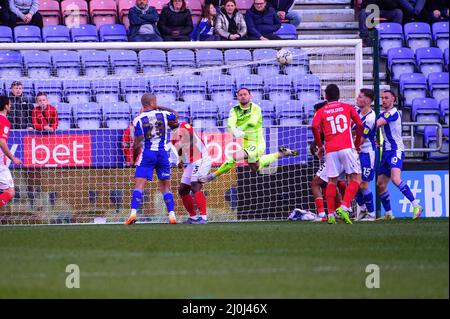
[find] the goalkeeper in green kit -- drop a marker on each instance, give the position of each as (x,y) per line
(245,120)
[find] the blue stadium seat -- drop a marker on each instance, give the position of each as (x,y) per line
(113,33)
(221,87)
(38,64)
(390,36)
(238,56)
(183,110)
(431,142)
(64,116)
(299,64)
(192,88)
(165,88)
(307,88)
(10,64)
(106,90)
(77,91)
(84,33)
(66,63)
(400,61)
(204,114)
(135,109)
(88,116)
(268,112)
(429,60)
(438,84)
(268,65)
(116,115)
(287,31)
(133,88)
(440,34)
(418,35)
(123,62)
(290,113)
(181,59)
(210,58)
(446,59)
(55,33)
(53,88)
(443,106)
(27,33)
(252,82)
(278,87)
(153,61)
(425,110)
(95,63)
(412,85)
(6,35)
(27,86)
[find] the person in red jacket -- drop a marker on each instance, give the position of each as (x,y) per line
(44,116)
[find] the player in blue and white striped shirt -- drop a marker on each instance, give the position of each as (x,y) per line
(390,122)
(367,156)
(152,129)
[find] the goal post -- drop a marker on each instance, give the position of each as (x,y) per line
(79,173)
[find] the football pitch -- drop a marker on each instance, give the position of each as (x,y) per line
(234,260)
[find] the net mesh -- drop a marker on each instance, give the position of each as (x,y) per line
(81,173)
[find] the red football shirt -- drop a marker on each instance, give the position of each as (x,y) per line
(335,121)
(5,128)
(192,147)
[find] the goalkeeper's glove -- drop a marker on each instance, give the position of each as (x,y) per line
(237,133)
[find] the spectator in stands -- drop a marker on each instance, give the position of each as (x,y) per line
(21,108)
(175,21)
(4,9)
(204,30)
(230,23)
(44,116)
(284,12)
(413,10)
(389,10)
(25,10)
(437,10)
(262,21)
(143,18)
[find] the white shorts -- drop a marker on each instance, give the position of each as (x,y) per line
(6,180)
(346,160)
(322,173)
(194,170)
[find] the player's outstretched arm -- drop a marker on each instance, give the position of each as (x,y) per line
(4,147)
(359,127)
(137,147)
(381,122)
(168,109)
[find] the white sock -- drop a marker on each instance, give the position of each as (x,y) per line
(415,203)
(389,212)
(204,217)
(331,214)
(172,214)
(133,212)
(322,215)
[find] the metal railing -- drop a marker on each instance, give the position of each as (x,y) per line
(413,135)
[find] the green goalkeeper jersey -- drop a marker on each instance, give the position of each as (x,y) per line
(249,120)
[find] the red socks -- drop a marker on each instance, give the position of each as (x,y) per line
(320,208)
(200,201)
(4,198)
(350,193)
(189,204)
(330,195)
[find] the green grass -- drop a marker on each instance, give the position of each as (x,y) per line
(236,260)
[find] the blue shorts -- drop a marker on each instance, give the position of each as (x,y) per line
(367,165)
(389,160)
(158,160)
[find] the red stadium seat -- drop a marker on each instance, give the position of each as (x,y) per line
(158,4)
(124,7)
(75,12)
(196,9)
(103,12)
(51,14)
(244,5)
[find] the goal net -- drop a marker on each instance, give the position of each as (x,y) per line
(80,173)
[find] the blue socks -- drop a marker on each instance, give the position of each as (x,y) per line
(136,199)
(386,201)
(359,198)
(404,188)
(368,200)
(168,199)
